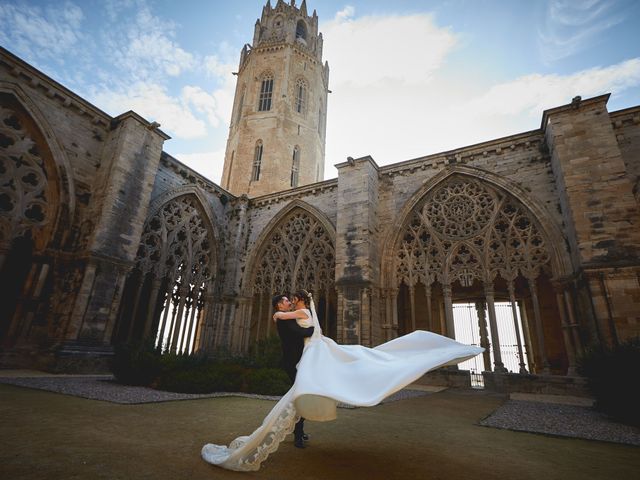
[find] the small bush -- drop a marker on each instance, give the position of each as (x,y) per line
(258,372)
(613,377)
(266,353)
(206,378)
(268,381)
(136,364)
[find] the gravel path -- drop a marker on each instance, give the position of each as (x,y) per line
(562,420)
(103,387)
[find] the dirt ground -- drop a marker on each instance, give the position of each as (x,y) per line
(46,435)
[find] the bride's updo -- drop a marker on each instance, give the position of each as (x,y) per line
(304,296)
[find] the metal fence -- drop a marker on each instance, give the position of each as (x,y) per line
(467,330)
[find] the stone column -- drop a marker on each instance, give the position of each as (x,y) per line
(357,252)
(156,283)
(484,335)
(179,317)
(165,319)
(573,324)
(539,328)
(119,207)
(493,325)
(412,300)
(514,312)
(429,312)
(527,336)
(394,312)
(448,311)
(566,335)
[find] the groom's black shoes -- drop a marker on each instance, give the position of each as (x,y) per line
(298,441)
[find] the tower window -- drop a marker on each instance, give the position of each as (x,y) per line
(266,93)
(295,166)
(301,96)
(301,30)
(257,162)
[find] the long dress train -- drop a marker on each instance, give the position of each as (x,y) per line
(329,373)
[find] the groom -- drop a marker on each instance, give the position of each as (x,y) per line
(292,338)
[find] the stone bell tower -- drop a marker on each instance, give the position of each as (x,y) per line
(277,129)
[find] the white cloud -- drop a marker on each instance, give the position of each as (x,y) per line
(346,13)
(208,164)
(154,103)
(202,102)
(38,33)
(368,50)
(144,47)
(393,99)
(532,94)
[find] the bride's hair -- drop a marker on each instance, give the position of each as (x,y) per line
(304,296)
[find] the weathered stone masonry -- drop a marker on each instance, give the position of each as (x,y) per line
(549,218)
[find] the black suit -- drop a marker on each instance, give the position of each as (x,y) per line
(292,338)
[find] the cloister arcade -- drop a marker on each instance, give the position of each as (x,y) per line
(171,287)
(465,239)
(296,250)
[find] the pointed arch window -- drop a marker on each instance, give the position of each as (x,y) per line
(295,166)
(257,162)
(301,30)
(301,96)
(266,93)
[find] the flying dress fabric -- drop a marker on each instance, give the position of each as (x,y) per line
(329,373)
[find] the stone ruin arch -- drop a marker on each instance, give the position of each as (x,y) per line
(296,250)
(171,287)
(466,238)
(36,207)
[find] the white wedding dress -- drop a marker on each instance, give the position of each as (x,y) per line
(329,373)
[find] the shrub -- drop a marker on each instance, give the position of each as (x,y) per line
(266,353)
(258,372)
(204,379)
(136,364)
(268,381)
(612,377)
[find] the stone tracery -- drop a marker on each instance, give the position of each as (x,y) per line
(467,231)
(23,180)
(299,253)
(176,253)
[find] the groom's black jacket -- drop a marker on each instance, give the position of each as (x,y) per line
(292,338)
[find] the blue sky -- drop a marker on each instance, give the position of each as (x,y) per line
(408,78)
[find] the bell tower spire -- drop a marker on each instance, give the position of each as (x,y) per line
(278,124)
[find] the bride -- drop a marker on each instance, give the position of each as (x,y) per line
(329,373)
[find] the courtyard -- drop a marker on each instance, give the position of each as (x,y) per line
(434,435)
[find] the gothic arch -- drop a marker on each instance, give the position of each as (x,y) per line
(469,235)
(560,261)
(36,208)
(209,213)
(171,289)
(55,169)
(295,250)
